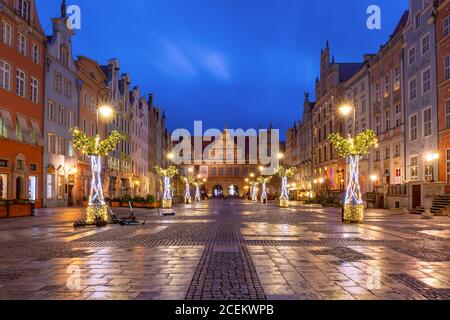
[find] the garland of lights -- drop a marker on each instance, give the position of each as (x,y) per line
(97,211)
(354,149)
(166,175)
(263,181)
(284,174)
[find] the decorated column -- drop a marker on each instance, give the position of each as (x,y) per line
(284,174)
(254,191)
(263,181)
(353,149)
(187,194)
(97,210)
(167,175)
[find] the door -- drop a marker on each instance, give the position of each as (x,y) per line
(416,196)
(19,188)
(32,188)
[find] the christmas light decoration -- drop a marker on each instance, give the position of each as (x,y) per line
(97,210)
(284,174)
(354,149)
(166,175)
(263,181)
(254,190)
(187,195)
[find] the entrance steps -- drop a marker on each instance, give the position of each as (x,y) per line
(440,207)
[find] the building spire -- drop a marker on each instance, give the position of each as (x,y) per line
(63,9)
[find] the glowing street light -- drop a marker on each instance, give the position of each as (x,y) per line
(374,178)
(345,109)
(170,156)
(105,111)
(429,157)
(321,180)
(280,156)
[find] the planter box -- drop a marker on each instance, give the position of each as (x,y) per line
(138,205)
(115,204)
(85,203)
(20,210)
(153,205)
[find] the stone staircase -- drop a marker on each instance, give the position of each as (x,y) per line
(440,205)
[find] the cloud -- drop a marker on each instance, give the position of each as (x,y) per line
(215,64)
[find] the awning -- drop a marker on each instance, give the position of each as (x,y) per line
(6,117)
(23,125)
(37,133)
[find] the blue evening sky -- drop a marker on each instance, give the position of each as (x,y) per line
(239,63)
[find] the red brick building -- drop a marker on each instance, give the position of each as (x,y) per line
(22,52)
(442,22)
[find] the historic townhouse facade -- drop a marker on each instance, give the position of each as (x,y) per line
(443,89)
(421,114)
(22,59)
(139,143)
(92,86)
(388,121)
(118,172)
(61,100)
(299,149)
(328,167)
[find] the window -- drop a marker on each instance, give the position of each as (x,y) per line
(447,114)
(387,86)
(426,80)
(34,88)
(425,44)
(71,119)
(61,146)
(417,21)
(67,88)
(61,115)
(412,55)
(412,89)
(448,166)
(70,148)
(3,186)
(446,26)
(428,172)
(378,124)
(427,122)
(377,92)
(85,99)
(363,104)
(377,155)
(85,126)
(447,67)
(7,34)
(64,56)
(387,153)
(50,186)
(413,127)
(51,110)
(398,152)
(58,79)
(5,75)
(413,168)
(20,83)
(398,115)
(51,143)
(22,44)
(36,54)
(388,120)
(397,79)
(24,9)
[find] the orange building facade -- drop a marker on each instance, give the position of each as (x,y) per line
(443,87)
(22,52)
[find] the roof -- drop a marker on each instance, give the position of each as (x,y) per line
(348,70)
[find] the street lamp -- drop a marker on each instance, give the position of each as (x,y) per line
(430,158)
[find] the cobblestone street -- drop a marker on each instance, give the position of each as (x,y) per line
(226,249)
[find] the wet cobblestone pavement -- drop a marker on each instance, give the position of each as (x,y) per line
(227,249)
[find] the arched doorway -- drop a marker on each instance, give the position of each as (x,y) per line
(233,191)
(217,191)
(19,188)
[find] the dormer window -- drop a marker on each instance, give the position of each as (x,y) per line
(64,56)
